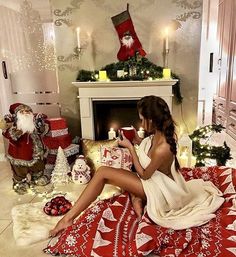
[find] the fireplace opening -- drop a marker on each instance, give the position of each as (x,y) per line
(114,114)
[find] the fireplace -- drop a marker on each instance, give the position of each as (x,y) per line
(95,97)
(114,114)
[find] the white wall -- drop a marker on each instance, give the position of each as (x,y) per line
(209,44)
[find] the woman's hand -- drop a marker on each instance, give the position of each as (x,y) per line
(61,225)
(123,141)
(137,140)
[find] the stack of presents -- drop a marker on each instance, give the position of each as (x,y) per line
(58,136)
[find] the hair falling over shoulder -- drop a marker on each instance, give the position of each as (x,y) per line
(156,109)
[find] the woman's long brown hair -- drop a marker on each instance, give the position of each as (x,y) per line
(156,109)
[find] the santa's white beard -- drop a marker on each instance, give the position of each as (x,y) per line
(127,41)
(25,122)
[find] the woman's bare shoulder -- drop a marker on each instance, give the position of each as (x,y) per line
(162,152)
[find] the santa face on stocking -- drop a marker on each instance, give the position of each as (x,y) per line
(127,40)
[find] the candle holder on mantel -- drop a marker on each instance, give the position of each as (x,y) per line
(166,70)
(166,56)
(78,52)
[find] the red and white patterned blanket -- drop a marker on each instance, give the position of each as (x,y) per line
(110,228)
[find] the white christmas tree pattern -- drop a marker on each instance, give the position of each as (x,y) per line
(61,169)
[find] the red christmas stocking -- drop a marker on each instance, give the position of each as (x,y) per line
(130,43)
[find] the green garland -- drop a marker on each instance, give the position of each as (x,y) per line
(136,68)
(205,151)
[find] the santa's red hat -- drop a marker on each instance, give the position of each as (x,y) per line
(14,108)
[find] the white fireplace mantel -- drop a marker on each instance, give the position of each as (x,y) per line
(117,90)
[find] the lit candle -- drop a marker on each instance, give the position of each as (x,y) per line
(111,134)
(141,132)
(78,36)
(183,160)
(193,161)
(167,39)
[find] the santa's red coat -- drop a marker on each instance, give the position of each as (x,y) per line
(24,150)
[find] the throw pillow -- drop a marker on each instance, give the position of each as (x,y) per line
(116,157)
(91,151)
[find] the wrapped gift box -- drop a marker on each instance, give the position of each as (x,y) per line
(55,142)
(51,159)
(56,123)
(58,132)
(49,166)
(72,149)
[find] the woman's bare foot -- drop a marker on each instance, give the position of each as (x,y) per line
(61,225)
(138,206)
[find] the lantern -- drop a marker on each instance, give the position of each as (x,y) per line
(185,151)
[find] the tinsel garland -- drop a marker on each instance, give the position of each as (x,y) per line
(135,68)
(206,151)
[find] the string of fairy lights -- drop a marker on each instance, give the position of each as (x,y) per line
(202,150)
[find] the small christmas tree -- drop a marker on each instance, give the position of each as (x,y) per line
(61,169)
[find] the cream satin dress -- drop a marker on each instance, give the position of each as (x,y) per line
(178,204)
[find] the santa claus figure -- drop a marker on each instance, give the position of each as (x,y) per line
(25,151)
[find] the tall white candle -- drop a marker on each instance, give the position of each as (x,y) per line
(167,39)
(111,134)
(78,36)
(183,160)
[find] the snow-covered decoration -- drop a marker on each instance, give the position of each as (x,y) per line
(61,169)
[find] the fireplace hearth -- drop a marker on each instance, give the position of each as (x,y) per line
(97,99)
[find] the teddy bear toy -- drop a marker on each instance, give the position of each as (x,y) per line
(80,171)
(59,205)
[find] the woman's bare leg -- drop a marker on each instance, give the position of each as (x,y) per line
(118,177)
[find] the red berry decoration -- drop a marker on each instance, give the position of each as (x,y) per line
(59,205)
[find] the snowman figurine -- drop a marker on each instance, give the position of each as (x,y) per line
(80,171)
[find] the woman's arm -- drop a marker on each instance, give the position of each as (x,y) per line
(159,156)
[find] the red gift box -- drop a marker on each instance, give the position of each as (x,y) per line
(56,123)
(51,159)
(55,142)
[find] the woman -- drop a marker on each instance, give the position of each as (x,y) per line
(171,202)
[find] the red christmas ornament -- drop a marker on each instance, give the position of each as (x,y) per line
(59,205)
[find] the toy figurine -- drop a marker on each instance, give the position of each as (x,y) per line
(80,171)
(26,150)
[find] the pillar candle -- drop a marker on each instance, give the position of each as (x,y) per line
(78,36)
(141,133)
(166,73)
(183,160)
(193,161)
(111,134)
(102,75)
